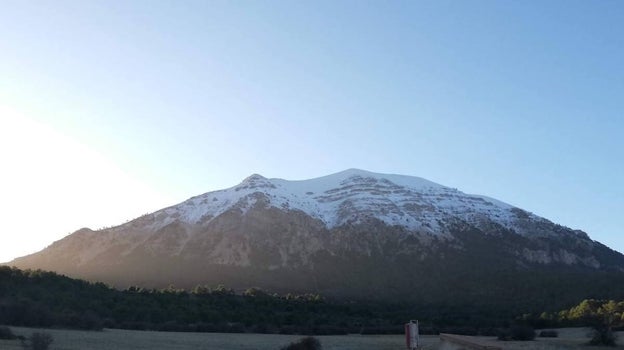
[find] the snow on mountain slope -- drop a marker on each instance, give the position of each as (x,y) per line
(348,197)
(269,231)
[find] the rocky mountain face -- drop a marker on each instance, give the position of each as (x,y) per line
(354,233)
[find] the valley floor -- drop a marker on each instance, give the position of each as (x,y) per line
(138,340)
(574,338)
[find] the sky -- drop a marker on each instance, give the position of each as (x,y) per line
(113,109)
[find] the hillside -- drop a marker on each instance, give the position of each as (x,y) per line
(353,234)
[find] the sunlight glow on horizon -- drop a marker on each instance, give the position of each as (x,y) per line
(46,169)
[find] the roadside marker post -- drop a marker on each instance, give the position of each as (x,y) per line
(411,335)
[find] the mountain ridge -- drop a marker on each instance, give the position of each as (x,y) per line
(353,233)
(305,192)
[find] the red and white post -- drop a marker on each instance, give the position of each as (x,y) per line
(411,335)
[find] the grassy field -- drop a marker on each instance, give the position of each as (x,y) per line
(135,340)
(126,340)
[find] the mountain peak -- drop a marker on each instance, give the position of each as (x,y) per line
(255,181)
(253,178)
(357,172)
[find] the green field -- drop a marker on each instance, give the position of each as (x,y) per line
(136,340)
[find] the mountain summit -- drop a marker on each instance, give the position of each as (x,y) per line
(353,233)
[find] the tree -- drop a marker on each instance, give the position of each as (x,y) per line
(40,341)
(6,333)
(606,317)
(254,292)
(602,316)
(307,343)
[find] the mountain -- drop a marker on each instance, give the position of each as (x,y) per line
(351,234)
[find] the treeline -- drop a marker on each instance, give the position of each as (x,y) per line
(603,316)
(45,299)
(588,313)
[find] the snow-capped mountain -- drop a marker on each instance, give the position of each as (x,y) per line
(350,230)
(349,196)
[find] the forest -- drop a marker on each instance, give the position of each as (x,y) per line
(35,298)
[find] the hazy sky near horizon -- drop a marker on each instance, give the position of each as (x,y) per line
(111,109)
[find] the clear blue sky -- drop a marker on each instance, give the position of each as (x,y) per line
(111,109)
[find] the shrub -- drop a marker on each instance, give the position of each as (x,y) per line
(516,333)
(307,343)
(603,336)
(503,334)
(522,333)
(40,341)
(488,332)
(549,334)
(6,333)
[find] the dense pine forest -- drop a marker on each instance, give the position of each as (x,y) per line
(45,299)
